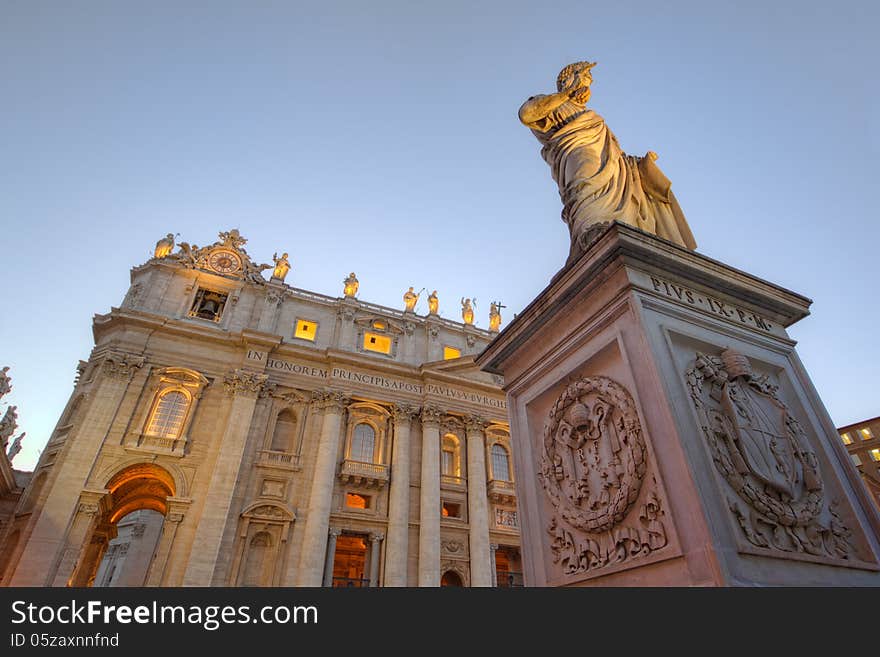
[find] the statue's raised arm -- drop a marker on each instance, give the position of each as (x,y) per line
(598,182)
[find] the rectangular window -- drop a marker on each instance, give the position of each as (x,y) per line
(305,330)
(377,342)
(451,352)
(208,305)
(846,438)
(875,454)
(357,501)
(856,459)
(866,433)
(451,510)
(447,462)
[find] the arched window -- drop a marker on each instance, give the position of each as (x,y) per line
(363,443)
(500,463)
(450,461)
(285,430)
(451,578)
(168,415)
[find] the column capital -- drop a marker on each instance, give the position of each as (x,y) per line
(475,424)
(244,383)
(334,532)
(375,537)
(432,415)
(403,413)
(330,401)
(122,366)
(493,546)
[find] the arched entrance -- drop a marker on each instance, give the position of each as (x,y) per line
(451,578)
(134,488)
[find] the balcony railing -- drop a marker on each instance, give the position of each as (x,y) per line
(366,474)
(350,583)
(501,491)
(508,579)
(452,481)
(286,460)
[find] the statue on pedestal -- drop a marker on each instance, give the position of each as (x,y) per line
(282,266)
(8,425)
(433,303)
(495,316)
(5,385)
(351,286)
(410,299)
(467,311)
(164,246)
(598,182)
(15,447)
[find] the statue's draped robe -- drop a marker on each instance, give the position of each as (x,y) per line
(599,183)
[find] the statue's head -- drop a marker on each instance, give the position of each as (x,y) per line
(575,74)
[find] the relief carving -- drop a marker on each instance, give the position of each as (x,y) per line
(247,384)
(122,366)
(593,468)
(763,453)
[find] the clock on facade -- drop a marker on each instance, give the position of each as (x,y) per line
(224,262)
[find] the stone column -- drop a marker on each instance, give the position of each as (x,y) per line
(87,540)
(244,388)
(478,505)
(429,504)
(375,553)
(397,547)
(318,515)
(333,533)
(493,548)
(177,508)
(51,542)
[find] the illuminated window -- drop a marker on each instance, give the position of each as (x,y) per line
(450,458)
(208,305)
(376,342)
(356,501)
(451,352)
(866,433)
(363,443)
(168,415)
(875,454)
(846,438)
(450,510)
(379,326)
(500,463)
(856,459)
(305,329)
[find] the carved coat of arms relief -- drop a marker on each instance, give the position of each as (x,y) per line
(594,468)
(780,501)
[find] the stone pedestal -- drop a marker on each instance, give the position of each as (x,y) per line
(665,431)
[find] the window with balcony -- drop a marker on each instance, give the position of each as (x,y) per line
(363,443)
(450,459)
(500,463)
(284,433)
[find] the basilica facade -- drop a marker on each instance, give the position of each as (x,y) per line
(281,438)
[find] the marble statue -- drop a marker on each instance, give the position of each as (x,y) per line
(15,447)
(164,246)
(495,316)
(410,299)
(433,303)
(282,266)
(5,385)
(8,425)
(467,311)
(598,182)
(351,286)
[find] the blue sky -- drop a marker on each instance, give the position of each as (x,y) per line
(382,138)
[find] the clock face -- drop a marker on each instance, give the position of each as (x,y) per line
(224,262)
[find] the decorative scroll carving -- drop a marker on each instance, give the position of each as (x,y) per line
(122,366)
(763,453)
(431,414)
(475,424)
(330,401)
(245,383)
(593,468)
(452,547)
(404,412)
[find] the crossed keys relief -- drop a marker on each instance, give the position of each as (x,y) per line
(593,468)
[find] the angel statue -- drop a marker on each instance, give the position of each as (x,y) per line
(598,182)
